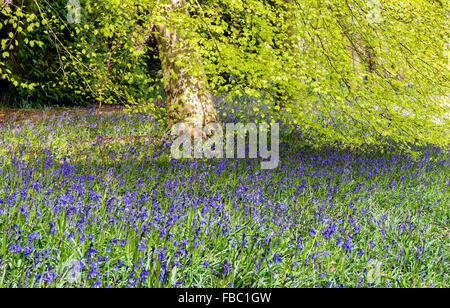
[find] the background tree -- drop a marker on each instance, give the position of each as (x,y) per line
(343,77)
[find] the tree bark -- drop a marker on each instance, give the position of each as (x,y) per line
(188,98)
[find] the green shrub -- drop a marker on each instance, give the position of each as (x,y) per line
(67,61)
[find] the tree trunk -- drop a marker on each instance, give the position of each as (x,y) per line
(187,96)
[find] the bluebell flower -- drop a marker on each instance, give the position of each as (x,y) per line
(277,258)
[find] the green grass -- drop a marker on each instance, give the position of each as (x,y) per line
(60,206)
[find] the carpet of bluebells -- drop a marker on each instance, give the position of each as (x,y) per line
(327,217)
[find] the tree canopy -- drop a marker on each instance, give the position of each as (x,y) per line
(353,71)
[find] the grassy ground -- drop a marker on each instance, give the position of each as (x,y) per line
(129,216)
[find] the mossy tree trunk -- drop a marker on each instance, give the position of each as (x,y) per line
(188,98)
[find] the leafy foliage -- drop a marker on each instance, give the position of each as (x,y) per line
(351,71)
(51,61)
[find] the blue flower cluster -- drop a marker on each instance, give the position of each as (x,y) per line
(138,219)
